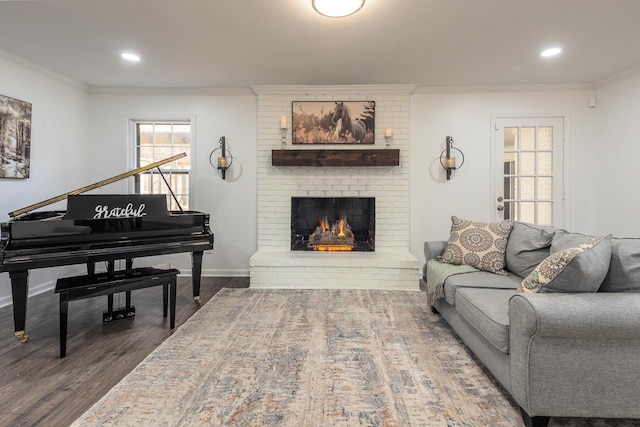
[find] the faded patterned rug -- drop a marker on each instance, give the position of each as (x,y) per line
(308,358)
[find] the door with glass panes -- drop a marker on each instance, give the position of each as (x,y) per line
(528,170)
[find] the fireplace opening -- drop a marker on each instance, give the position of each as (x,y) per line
(333,224)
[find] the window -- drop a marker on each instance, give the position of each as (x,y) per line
(158,140)
(528,174)
(529,178)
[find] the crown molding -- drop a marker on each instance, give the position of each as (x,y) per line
(171,91)
(504,88)
(330,89)
(617,76)
(41,69)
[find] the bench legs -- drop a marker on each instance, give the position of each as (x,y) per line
(64,310)
(169,301)
(168,305)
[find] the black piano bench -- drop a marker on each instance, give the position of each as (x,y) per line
(93,285)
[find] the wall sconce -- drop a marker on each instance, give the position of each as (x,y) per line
(449,163)
(283,130)
(225,160)
(388,137)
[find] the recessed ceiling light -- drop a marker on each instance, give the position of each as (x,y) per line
(130,57)
(551,52)
(337,8)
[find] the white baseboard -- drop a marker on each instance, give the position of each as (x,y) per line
(33,290)
(223,273)
(51,284)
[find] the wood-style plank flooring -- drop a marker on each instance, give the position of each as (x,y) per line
(37,388)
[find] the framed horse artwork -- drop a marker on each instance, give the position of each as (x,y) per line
(333,122)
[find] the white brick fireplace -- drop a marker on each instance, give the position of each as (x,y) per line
(391,266)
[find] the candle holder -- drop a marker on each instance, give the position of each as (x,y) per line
(225,160)
(283,131)
(449,163)
(388,137)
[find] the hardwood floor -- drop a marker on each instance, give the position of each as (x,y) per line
(39,388)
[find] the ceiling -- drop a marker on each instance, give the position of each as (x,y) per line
(241,43)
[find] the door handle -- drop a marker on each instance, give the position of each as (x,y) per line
(500,208)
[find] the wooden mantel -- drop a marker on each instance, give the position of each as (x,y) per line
(344,157)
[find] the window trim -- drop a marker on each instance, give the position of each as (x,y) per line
(131,122)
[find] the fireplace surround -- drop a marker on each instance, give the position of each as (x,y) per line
(390,265)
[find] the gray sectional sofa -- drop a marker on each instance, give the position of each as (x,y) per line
(559,354)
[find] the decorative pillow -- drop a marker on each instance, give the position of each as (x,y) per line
(478,244)
(528,246)
(624,269)
(581,268)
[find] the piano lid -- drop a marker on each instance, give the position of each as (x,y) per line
(102,206)
(98,184)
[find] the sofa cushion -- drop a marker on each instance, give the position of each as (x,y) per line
(478,244)
(581,268)
(563,239)
(527,246)
(478,279)
(487,310)
(624,268)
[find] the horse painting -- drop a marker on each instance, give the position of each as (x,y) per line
(333,122)
(346,126)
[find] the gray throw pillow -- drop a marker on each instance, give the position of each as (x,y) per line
(581,268)
(624,270)
(528,245)
(563,239)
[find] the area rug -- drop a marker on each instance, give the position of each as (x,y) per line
(308,358)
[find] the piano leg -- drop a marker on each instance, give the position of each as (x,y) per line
(196,273)
(19,291)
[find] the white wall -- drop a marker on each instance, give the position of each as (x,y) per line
(59,147)
(79,138)
(467,117)
(231,202)
(617,148)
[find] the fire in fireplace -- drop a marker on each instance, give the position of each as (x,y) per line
(335,237)
(332,223)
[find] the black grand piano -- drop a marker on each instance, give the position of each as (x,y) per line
(98,228)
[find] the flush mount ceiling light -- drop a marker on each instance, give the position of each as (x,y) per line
(337,8)
(551,52)
(130,56)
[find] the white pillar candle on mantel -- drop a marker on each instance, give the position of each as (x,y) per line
(283,122)
(387,132)
(450,163)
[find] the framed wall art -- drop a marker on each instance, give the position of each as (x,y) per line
(333,122)
(15,138)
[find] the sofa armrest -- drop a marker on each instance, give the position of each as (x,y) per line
(569,351)
(585,315)
(434,248)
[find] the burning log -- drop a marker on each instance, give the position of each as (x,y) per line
(336,236)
